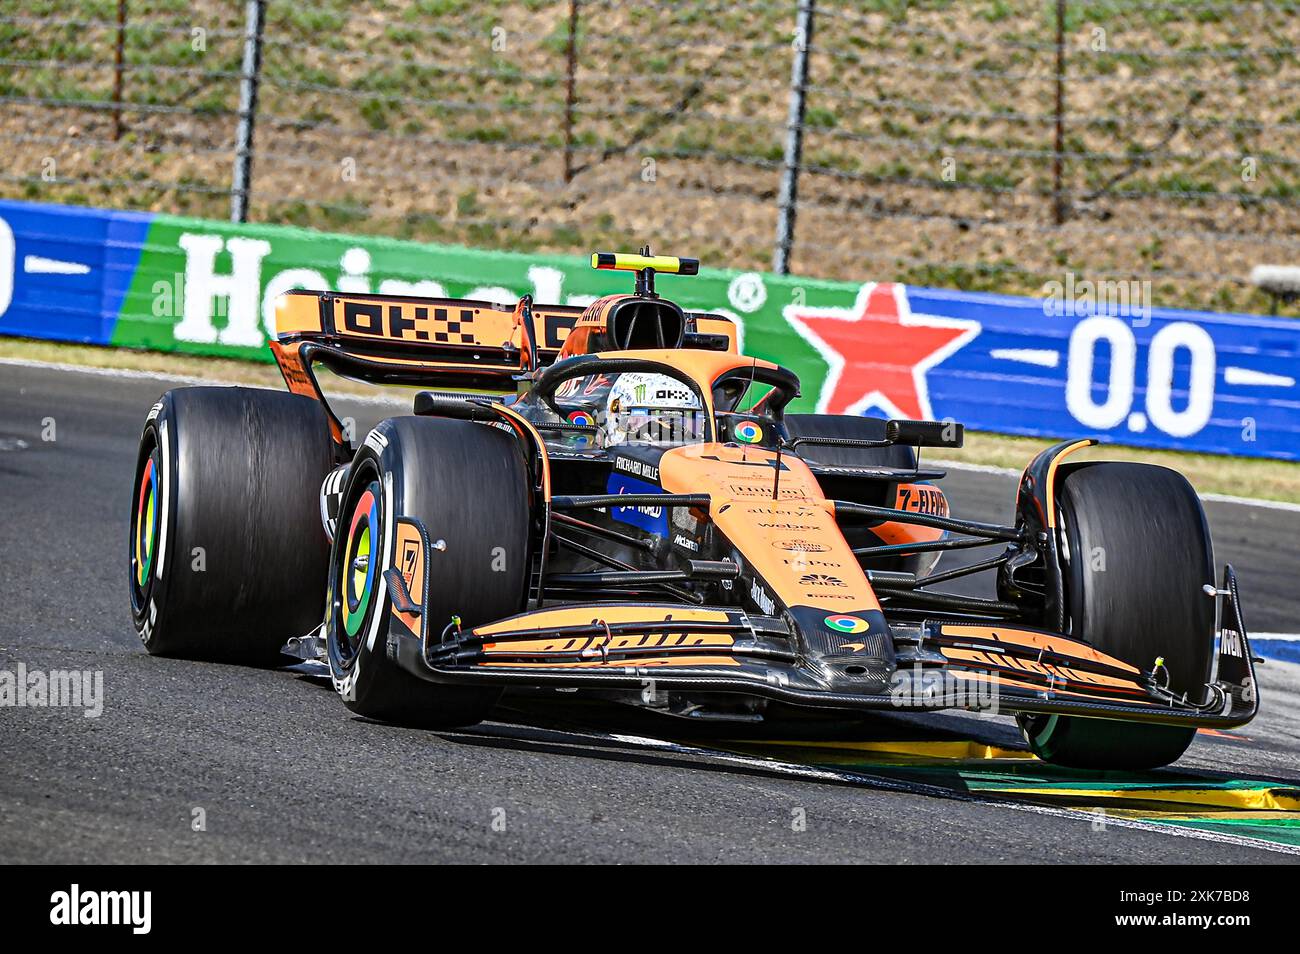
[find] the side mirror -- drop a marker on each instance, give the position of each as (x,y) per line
(705,341)
(926,433)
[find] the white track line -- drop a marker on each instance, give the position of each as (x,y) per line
(112,372)
(920,788)
(377,399)
(1252,502)
(973,468)
(141,375)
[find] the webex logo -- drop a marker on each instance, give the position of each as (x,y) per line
(75,907)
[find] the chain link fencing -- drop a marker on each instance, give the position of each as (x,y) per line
(989,144)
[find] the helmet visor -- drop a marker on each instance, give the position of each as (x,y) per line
(652,425)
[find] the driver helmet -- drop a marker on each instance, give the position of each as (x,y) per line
(650,408)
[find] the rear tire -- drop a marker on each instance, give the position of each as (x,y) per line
(228,556)
(1135,552)
(468,484)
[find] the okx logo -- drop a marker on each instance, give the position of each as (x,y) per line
(77,907)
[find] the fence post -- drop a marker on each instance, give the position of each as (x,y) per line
(250,72)
(1058,206)
(571,90)
(786,204)
(119,64)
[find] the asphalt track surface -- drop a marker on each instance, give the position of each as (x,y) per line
(283,773)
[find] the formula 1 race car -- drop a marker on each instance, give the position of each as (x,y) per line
(612,500)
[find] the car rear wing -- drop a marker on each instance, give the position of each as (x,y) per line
(456,344)
(446,342)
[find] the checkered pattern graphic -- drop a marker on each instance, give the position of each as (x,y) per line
(453,330)
(331,499)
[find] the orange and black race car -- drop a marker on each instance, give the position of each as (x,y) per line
(611,499)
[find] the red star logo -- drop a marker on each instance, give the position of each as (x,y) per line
(878,351)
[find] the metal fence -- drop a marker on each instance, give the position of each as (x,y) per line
(981,144)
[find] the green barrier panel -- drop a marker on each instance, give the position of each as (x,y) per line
(204,287)
(1073,363)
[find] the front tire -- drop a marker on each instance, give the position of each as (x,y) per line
(467,483)
(1136,552)
(227,553)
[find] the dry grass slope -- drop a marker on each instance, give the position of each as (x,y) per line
(928,155)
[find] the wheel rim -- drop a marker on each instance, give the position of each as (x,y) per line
(358,568)
(146,522)
(145,527)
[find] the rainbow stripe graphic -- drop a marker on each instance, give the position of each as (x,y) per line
(146,522)
(360,557)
